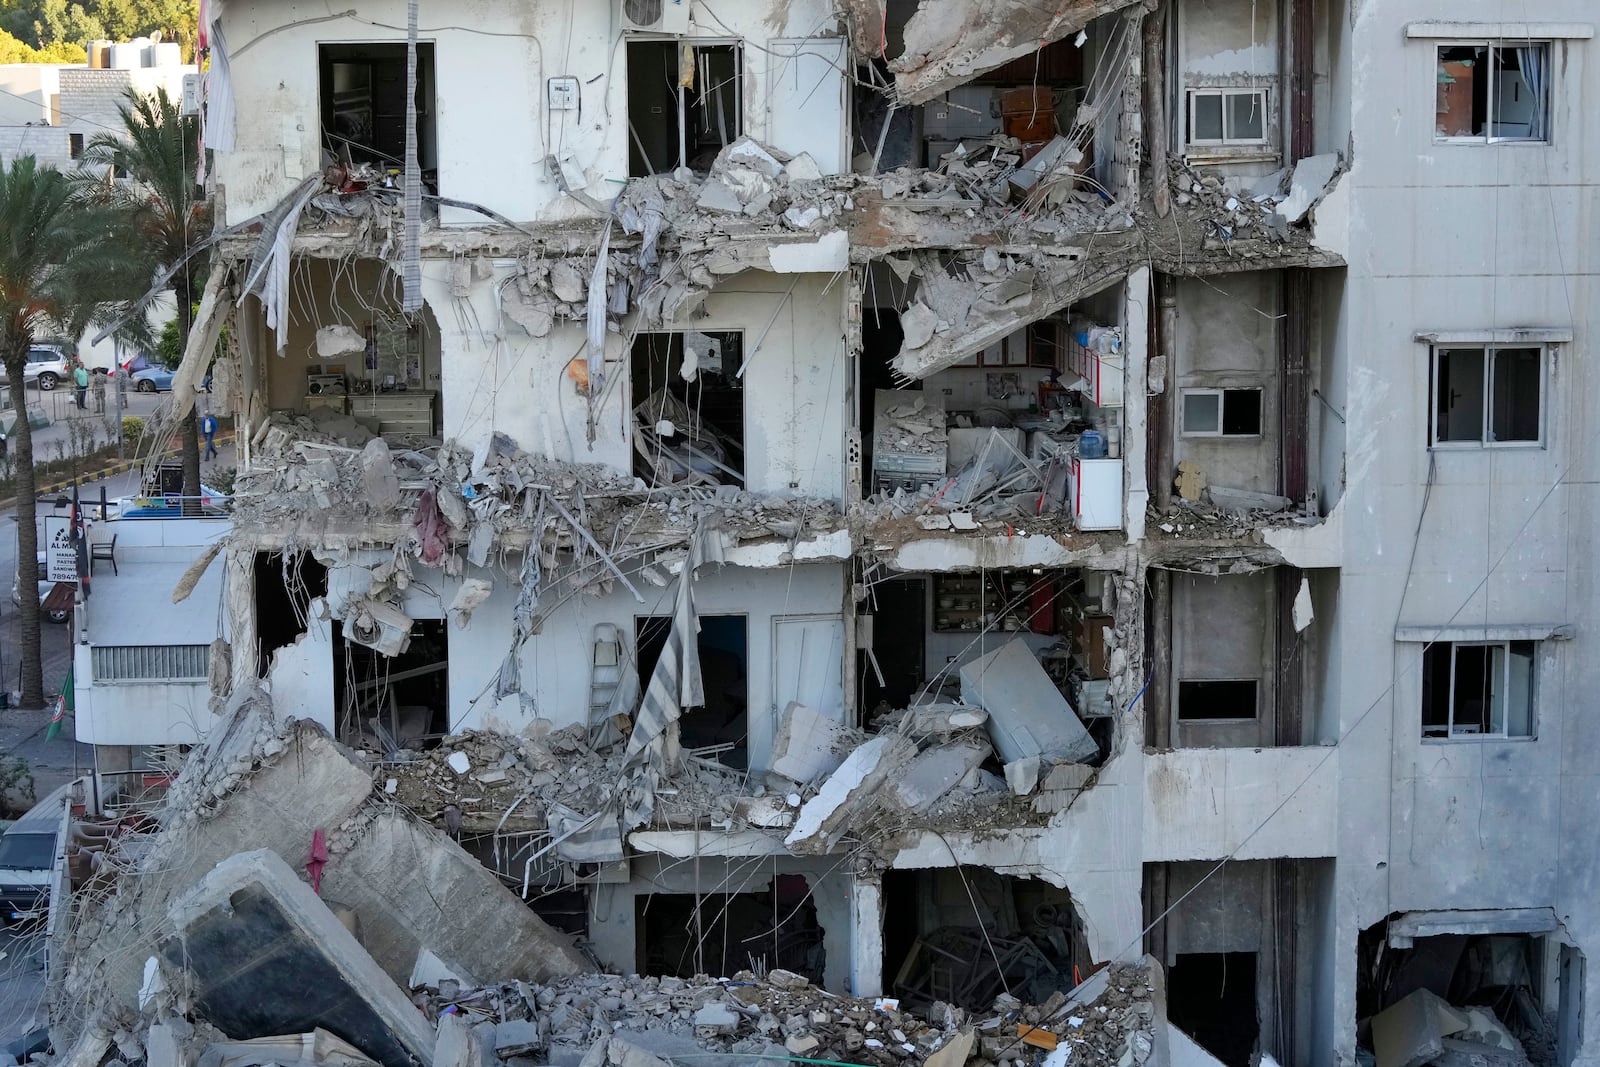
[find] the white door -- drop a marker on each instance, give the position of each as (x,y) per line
(807,667)
(806,99)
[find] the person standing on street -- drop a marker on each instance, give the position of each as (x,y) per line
(208,427)
(99,385)
(80,378)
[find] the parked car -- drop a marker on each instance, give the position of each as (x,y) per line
(44,591)
(45,367)
(153,380)
(27,856)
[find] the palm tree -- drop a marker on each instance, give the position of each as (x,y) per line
(55,257)
(164,211)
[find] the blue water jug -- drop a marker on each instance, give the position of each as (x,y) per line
(1091,445)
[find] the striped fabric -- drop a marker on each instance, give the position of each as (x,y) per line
(675,684)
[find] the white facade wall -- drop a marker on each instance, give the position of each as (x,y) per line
(491,151)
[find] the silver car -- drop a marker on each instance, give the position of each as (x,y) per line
(46,368)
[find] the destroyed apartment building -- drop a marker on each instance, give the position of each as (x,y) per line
(878,531)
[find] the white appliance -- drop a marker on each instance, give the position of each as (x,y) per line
(1094,493)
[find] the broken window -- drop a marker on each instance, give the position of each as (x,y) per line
(387,703)
(1211,996)
(719,730)
(1478,689)
(1211,700)
(1492,92)
(685,104)
(1222,412)
(1488,395)
(1227,116)
(688,408)
(686,934)
(364,106)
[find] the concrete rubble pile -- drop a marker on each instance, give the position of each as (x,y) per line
(327,464)
(1203,511)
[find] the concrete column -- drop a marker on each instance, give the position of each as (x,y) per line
(1135,359)
(866,938)
(239,586)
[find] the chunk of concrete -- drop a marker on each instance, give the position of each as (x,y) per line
(715,1019)
(1306,186)
(318,1048)
(266,957)
(378,479)
(1411,1031)
(430,970)
(934,773)
(162,1048)
(457,1045)
(1028,716)
(624,1053)
(825,817)
(940,720)
(414,887)
(1066,776)
(1022,776)
(1183,1051)
(515,1037)
(808,744)
(469,597)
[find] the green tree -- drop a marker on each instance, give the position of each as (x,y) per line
(56,257)
(163,212)
(13,50)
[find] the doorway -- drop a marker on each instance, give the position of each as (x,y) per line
(1211,996)
(719,730)
(284,589)
(685,934)
(898,646)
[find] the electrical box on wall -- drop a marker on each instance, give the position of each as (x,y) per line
(562,93)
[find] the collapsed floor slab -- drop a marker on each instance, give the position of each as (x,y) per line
(266,956)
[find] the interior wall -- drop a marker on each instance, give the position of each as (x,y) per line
(1227,340)
(332,292)
(1327,288)
(1223,628)
(795,384)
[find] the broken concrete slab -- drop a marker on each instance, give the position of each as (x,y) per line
(516,1037)
(1028,716)
(378,478)
(430,970)
(941,720)
(413,886)
(935,772)
(316,1049)
(716,1018)
(457,1045)
(825,816)
(1411,1032)
(1022,776)
(266,957)
(1184,1051)
(808,744)
(1307,185)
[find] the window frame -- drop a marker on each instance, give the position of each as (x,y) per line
(1451,736)
(1193,93)
(1220,392)
(1485,425)
(1494,44)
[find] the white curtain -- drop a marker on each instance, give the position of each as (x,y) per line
(1530,58)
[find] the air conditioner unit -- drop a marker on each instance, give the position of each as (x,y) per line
(655,16)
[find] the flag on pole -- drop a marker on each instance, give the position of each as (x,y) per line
(64,704)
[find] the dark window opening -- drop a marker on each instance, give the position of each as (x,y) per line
(385,703)
(1483,689)
(554,899)
(364,107)
(939,916)
(684,104)
(1233,699)
(1241,412)
(284,591)
(75,145)
(720,729)
(688,408)
(684,934)
(1211,996)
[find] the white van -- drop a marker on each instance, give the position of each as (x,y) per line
(27,857)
